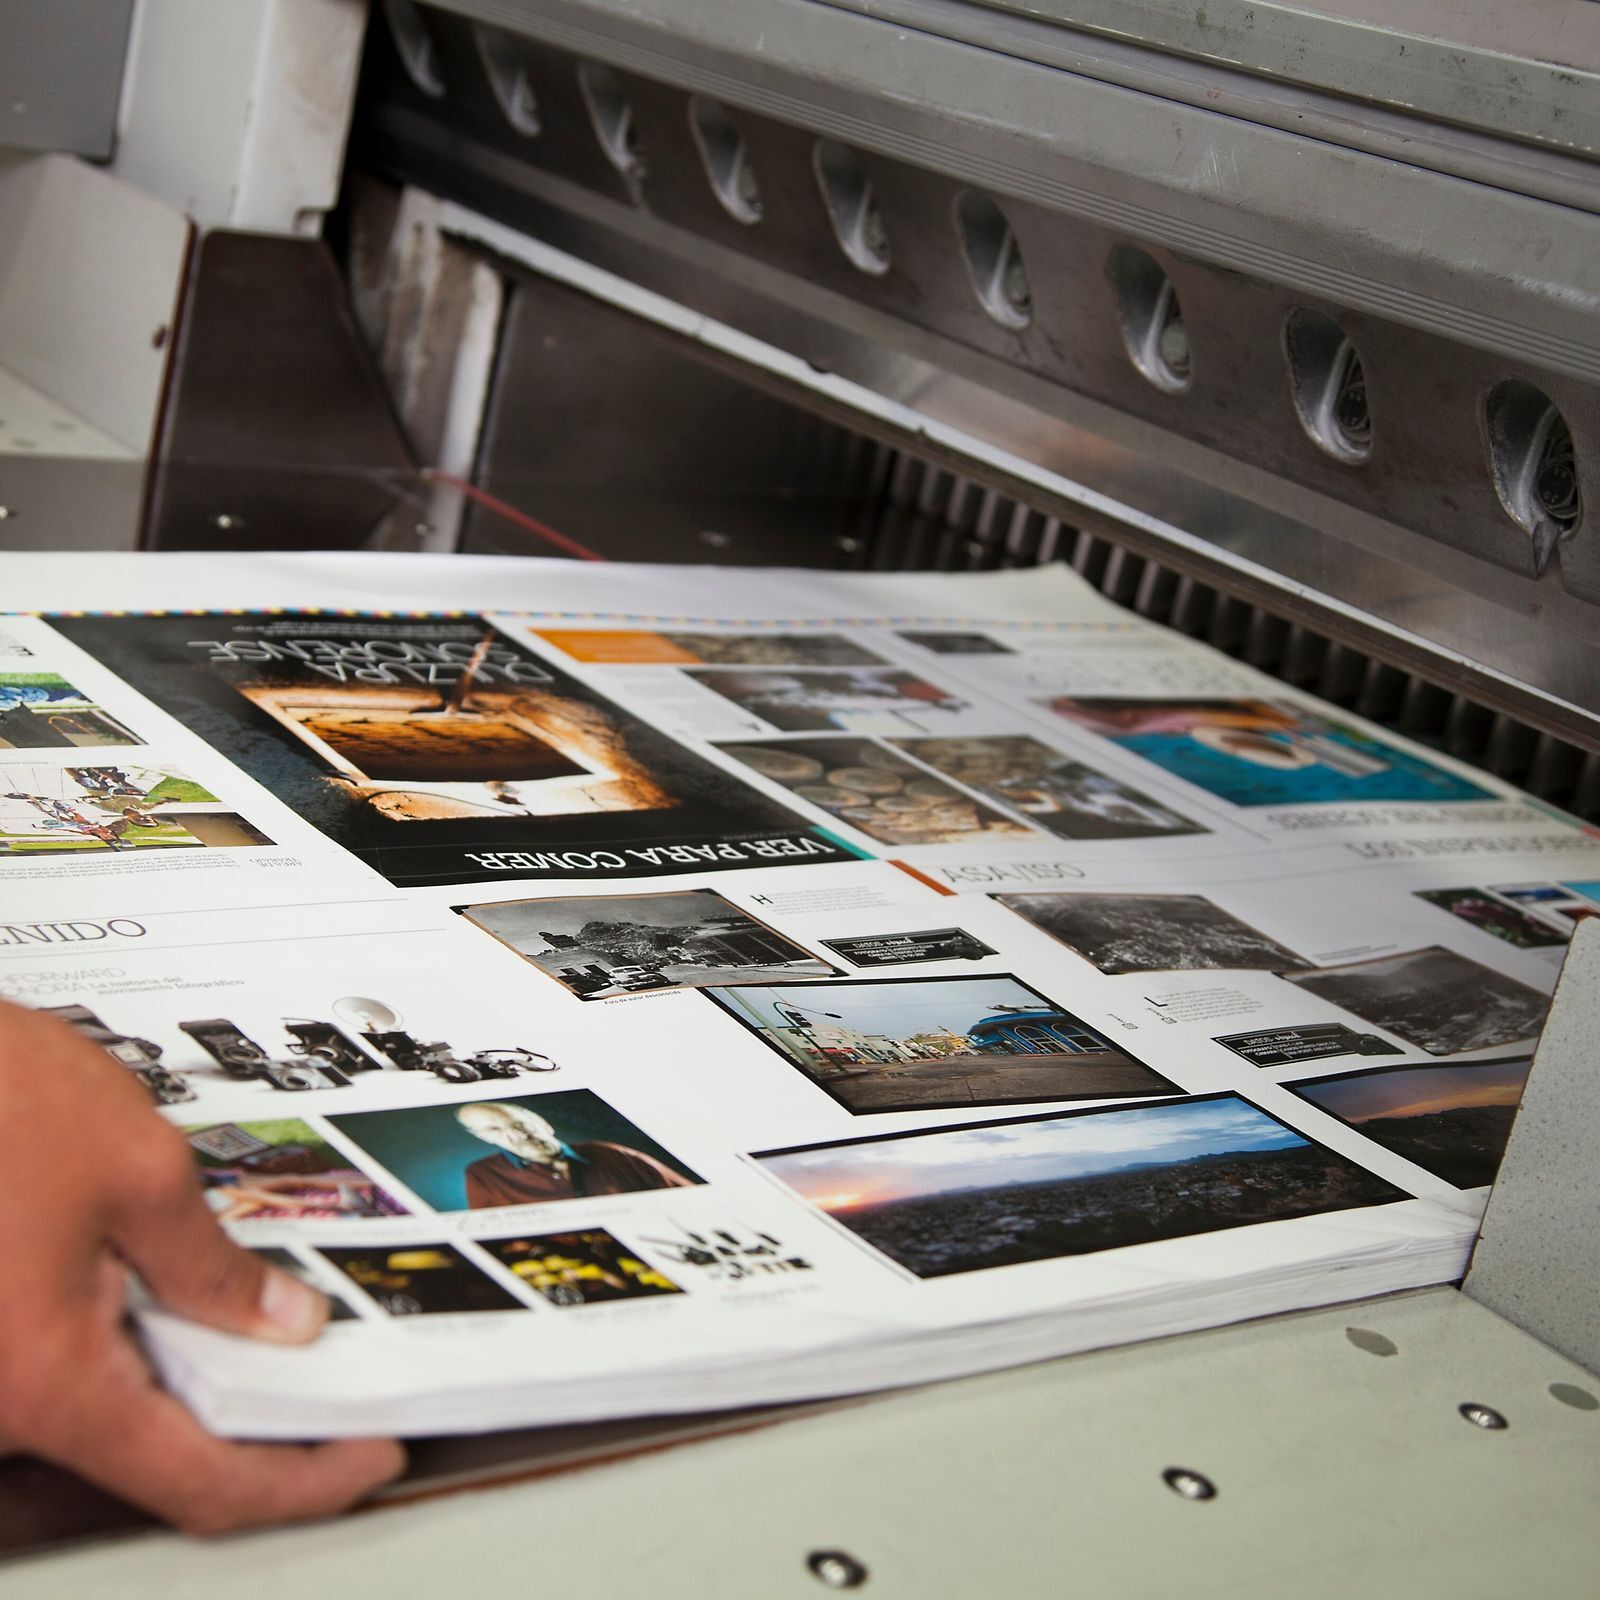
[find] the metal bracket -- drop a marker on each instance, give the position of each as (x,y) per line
(1538,1261)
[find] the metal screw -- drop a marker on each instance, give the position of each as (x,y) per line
(1191,1485)
(225,520)
(717,541)
(5,513)
(836,1569)
(845,543)
(1485,1417)
(423,529)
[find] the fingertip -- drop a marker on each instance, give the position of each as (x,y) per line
(290,1311)
(384,1459)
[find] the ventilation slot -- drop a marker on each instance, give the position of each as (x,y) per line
(1151,319)
(509,80)
(1534,464)
(727,161)
(413,39)
(612,114)
(995,260)
(852,207)
(1329,385)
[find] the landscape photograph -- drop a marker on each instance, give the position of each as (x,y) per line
(1004,1194)
(1434,999)
(1452,1121)
(1151,932)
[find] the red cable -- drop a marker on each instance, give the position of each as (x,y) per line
(522,520)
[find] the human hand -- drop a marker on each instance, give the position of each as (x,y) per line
(94,1182)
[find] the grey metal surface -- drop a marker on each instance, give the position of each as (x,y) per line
(1340,1470)
(61,73)
(574,429)
(1538,1262)
(278,433)
(1529,71)
(70,503)
(1524,645)
(1483,265)
(1362,84)
(1411,552)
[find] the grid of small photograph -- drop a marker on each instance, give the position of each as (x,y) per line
(598,947)
(922,1044)
(1432,998)
(1151,932)
(1452,1120)
(999,1194)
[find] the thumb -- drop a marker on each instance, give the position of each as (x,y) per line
(167,1235)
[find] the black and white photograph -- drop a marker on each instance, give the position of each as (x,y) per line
(1060,795)
(1434,999)
(603,946)
(958,644)
(921,1044)
(860,701)
(902,949)
(1151,932)
(1000,1194)
(774,650)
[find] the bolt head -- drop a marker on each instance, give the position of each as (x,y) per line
(836,1569)
(1481,1416)
(1191,1485)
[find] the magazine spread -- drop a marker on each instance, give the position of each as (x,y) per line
(647,989)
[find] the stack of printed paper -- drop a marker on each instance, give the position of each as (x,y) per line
(629,990)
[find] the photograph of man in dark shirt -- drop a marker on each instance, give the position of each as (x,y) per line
(533,1163)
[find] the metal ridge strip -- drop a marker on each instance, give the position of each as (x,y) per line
(1572,348)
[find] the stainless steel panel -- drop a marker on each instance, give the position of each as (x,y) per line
(61,73)
(1335,1441)
(1411,552)
(1538,1263)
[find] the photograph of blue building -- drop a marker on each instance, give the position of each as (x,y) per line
(912,1044)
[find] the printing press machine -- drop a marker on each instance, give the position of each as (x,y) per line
(1279,323)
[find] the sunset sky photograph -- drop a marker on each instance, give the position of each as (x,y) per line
(1419,1091)
(847,1177)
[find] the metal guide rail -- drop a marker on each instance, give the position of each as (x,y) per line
(1365,384)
